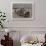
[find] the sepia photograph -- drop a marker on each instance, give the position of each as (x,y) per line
(22,11)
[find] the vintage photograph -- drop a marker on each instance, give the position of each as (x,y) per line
(21,10)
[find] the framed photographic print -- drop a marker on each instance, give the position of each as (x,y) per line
(23,11)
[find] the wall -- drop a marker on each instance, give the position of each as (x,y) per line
(38,24)
(40,14)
